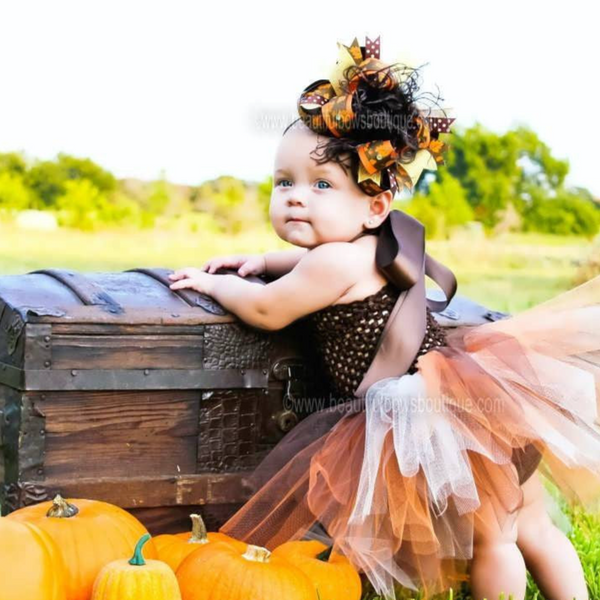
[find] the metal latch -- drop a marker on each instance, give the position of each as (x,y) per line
(293,373)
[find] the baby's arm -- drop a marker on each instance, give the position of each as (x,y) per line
(280,263)
(320,278)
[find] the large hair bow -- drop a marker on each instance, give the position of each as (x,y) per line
(326,107)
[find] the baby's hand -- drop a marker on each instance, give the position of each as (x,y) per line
(247,264)
(191,277)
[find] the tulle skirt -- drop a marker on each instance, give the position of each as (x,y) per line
(433,458)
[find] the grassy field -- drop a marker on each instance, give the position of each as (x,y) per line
(508,273)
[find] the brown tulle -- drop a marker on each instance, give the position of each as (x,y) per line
(523,389)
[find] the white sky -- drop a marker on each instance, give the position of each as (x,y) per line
(141,86)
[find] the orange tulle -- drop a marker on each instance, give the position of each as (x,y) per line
(403,486)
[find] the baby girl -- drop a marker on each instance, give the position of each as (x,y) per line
(331,205)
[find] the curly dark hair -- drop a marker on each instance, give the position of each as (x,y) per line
(380,113)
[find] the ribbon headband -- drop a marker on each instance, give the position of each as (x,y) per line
(326,107)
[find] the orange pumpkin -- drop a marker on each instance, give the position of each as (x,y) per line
(89,534)
(31,566)
(334,577)
(136,578)
(172,549)
(220,570)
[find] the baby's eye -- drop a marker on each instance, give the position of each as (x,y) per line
(325,182)
(282,181)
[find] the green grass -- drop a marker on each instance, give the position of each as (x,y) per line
(514,271)
(509,273)
(23,251)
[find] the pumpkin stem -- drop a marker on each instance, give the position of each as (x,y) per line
(61,509)
(256,553)
(199,535)
(324,556)
(137,559)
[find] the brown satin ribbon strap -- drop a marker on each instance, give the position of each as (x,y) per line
(445,278)
(400,265)
(403,266)
(400,255)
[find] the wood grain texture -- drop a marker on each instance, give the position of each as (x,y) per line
(127,352)
(91,434)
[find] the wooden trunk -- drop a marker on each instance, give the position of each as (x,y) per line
(114,387)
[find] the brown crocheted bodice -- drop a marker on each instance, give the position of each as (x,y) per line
(346,337)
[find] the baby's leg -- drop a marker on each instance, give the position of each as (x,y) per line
(497,565)
(549,555)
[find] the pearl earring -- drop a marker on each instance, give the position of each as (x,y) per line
(370,220)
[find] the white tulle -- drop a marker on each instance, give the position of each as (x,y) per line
(426,435)
(572,435)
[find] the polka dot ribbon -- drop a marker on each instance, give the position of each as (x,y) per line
(326,107)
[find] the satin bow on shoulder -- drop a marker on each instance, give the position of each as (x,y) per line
(401,256)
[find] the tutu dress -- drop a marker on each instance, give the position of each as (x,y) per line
(433,430)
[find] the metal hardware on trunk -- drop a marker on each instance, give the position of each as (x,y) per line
(286,419)
(13,332)
(88,291)
(293,372)
(129,379)
(190,297)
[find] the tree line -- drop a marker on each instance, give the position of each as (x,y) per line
(507,181)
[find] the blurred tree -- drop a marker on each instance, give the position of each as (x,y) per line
(84,168)
(81,205)
(565,214)
(264,191)
(121,209)
(12,162)
(538,166)
(443,207)
(518,169)
(159,197)
(224,198)
(14,194)
(486,166)
(47,178)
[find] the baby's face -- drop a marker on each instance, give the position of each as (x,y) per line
(330,205)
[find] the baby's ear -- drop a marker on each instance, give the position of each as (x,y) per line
(382,203)
(388,195)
